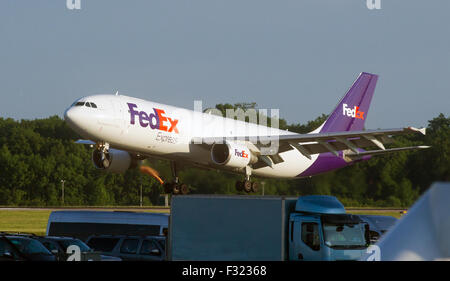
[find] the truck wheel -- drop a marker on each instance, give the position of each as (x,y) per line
(184,189)
(247,186)
(254,187)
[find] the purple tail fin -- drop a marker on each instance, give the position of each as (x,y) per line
(351,112)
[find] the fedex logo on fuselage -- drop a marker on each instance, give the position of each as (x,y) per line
(155,120)
(240,153)
(352,112)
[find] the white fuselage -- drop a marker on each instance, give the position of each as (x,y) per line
(158,130)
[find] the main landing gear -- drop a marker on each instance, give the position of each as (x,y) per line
(247,185)
(175,187)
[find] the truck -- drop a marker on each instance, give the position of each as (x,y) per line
(263,228)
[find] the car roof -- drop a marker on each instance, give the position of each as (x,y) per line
(379,221)
(17,236)
(375,218)
(25,234)
(127,236)
(58,238)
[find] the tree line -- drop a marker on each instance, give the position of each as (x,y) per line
(36,155)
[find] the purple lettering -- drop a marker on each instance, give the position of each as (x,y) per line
(152,117)
(143,117)
(132,112)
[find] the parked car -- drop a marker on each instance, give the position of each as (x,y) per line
(59,245)
(130,248)
(9,252)
(378,225)
(25,248)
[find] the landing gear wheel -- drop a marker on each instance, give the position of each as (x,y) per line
(176,189)
(184,189)
(247,186)
(106,163)
(254,187)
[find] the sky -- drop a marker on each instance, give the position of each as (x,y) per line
(298,56)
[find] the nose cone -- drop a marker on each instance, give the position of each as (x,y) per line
(74,118)
(69,115)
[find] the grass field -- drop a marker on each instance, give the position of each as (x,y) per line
(35,220)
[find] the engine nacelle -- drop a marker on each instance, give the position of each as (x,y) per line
(232,155)
(115,161)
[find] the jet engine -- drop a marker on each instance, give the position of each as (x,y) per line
(112,160)
(232,155)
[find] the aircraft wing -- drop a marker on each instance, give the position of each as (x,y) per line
(85,142)
(310,144)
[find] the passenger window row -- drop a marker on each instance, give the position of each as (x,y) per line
(88,104)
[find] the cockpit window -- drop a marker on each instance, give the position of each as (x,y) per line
(88,104)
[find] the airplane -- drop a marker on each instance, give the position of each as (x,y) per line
(125,130)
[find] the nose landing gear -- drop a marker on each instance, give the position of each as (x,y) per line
(101,156)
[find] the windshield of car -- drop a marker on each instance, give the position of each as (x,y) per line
(29,246)
(344,236)
(5,247)
(65,243)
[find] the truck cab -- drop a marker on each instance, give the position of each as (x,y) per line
(320,229)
